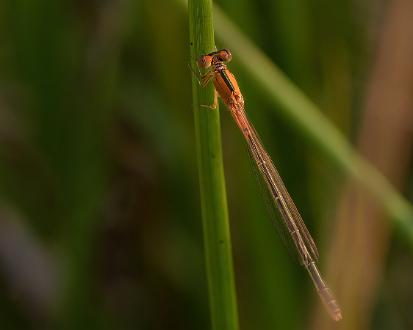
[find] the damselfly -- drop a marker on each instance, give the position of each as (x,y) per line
(227,87)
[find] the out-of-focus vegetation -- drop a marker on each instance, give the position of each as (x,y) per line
(100,222)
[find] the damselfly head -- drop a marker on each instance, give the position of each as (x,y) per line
(223,55)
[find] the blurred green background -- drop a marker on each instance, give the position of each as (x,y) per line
(100,223)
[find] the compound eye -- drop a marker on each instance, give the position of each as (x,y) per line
(204,61)
(225,55)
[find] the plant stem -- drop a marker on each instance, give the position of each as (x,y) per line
(217,240)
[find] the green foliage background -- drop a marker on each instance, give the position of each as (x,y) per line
(98,166)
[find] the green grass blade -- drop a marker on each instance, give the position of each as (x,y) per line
(212,183)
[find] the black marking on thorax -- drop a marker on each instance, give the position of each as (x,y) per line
(221,68)
(228,82)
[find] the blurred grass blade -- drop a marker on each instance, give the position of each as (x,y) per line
(212,183)
(309,120)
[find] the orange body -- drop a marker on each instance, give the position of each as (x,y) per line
(230,94)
